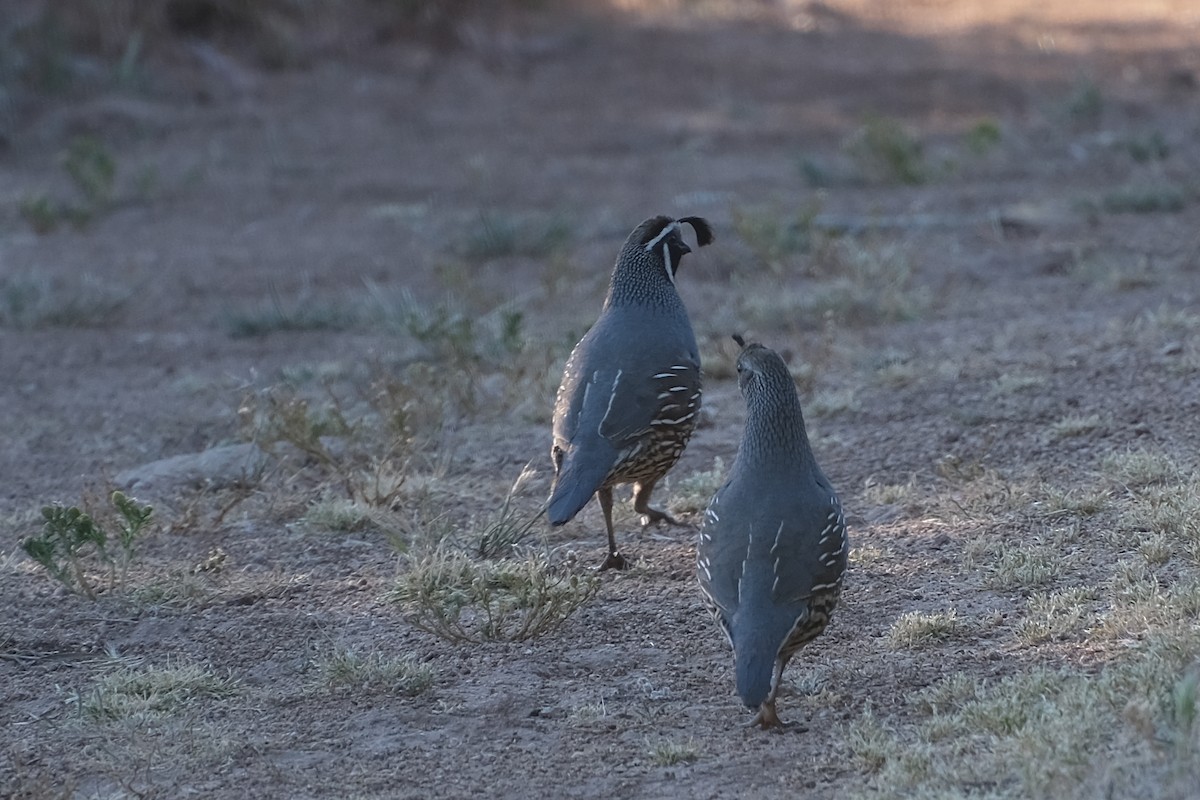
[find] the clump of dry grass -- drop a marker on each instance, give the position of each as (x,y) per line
(131,692)
(375,671)
(916,629)
(452,596)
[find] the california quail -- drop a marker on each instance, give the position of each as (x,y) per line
(773,546)
(630,393)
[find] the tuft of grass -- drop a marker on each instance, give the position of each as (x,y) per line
(883,150)
(831,402)
(917,629)
(340,514)
(669,753)
(456,598)
(1145,199)
(886,494)
(503,235)
(1074,502)
(92,170)
(690,495)
(375,672)
(1007,566)
(1017,383)
(274,315)
(871,283)
(153,691)
(1056,615)
(589,713)
(1140,468)
(1074,425)
(507,527)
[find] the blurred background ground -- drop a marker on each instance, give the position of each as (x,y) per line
(363,236)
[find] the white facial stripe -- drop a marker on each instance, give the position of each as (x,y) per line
(667,231)
(667,262)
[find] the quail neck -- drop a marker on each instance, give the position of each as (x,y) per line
(646,278)
(774,421)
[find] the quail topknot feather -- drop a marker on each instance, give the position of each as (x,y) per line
(630,392)
(773,545)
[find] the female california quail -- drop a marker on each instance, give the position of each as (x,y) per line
(773,546)
(630,393)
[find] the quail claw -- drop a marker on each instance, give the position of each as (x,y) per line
(767,718)
(653,515)
(615,561)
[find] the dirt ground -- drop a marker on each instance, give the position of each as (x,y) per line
(1022,305)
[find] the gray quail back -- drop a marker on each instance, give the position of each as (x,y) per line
(773,546)
(630,392)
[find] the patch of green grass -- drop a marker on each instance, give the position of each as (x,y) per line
(884,150)
(1041,732)
(1147,147)
(1171,511)
(690,495)
(450,595)
(274,315)
(1084,105)
(1145,199)
(983,137)
(916,629)
(92,169)
(773,235)
(871,283)
(503,235)
(153,691)
(375,672)
(669,753)
(30,301)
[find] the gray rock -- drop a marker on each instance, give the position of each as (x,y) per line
(215,468)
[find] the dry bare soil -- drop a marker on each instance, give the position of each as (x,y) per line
(347,262)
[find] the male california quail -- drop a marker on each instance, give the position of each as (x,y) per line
(630,393)
(773,547)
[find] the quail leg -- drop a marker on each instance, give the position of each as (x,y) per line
(641,504)
(767,718)
(615,560)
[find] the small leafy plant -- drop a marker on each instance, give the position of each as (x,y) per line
(72,541)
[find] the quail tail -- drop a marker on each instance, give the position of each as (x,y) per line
(575,485)
(754,666)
